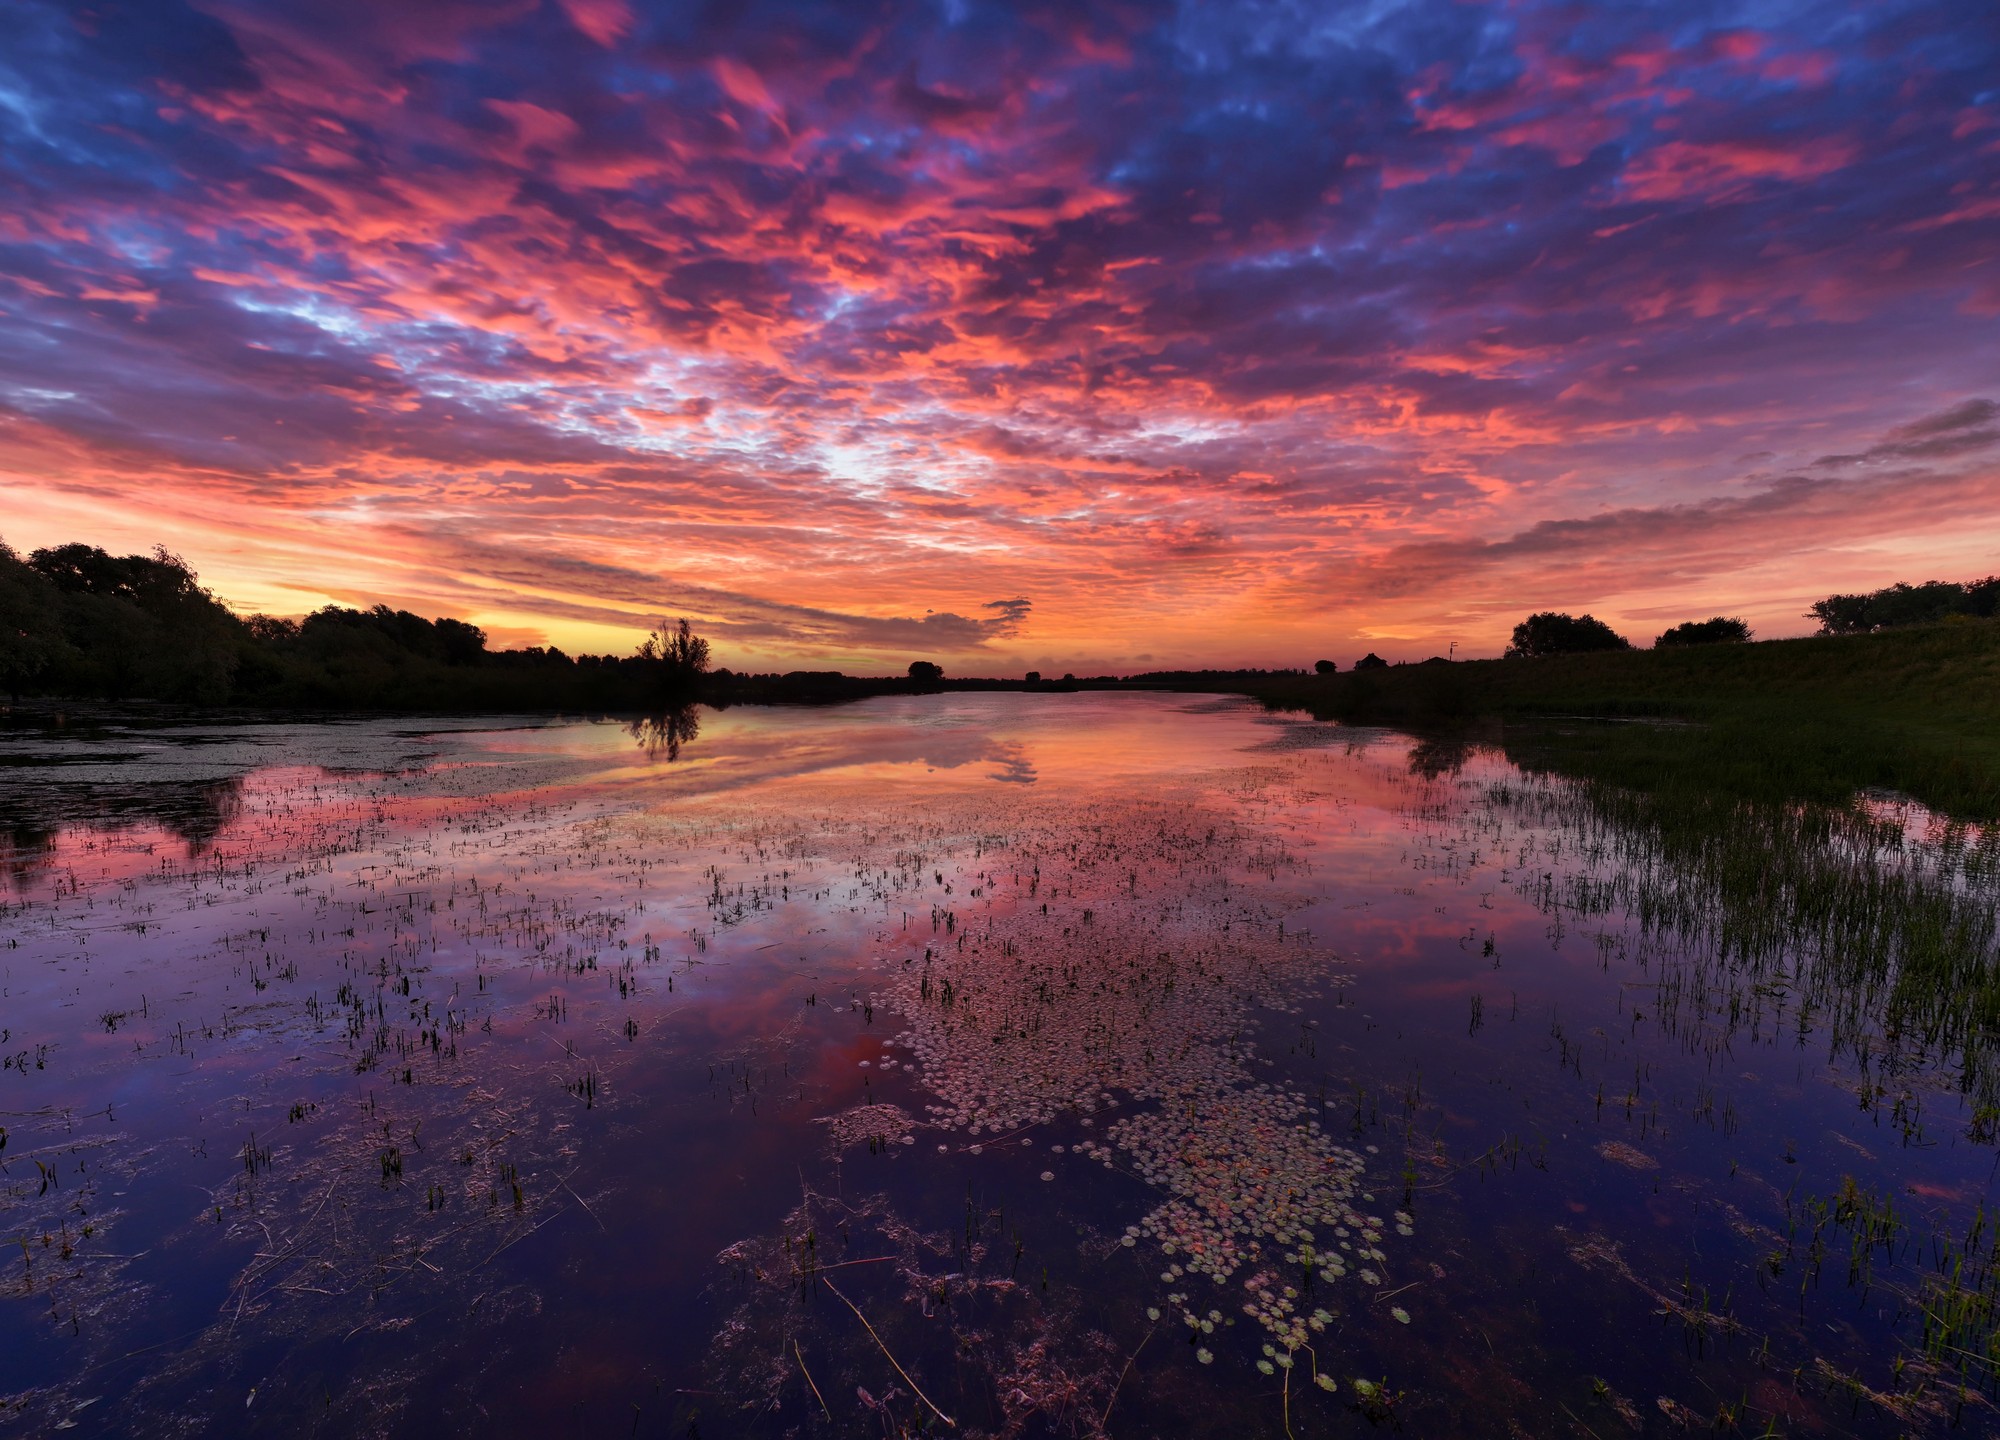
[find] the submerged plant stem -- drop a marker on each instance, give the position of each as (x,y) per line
(809,1379)
(914,1387)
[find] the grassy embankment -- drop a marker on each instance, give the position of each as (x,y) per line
(1914,710)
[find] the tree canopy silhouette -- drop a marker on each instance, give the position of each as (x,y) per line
(80,622)
(1551,632)
(678,656)
(1324,667)
(1901,604)
(926,671)
(1722,630)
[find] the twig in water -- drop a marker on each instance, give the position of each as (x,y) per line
(886,1355)
(1123,1373)
(584,1203)
(510,1244)
(843,1264)
(809,1379)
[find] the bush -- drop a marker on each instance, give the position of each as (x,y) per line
(1550,632)
(1719,631)
(1324,667)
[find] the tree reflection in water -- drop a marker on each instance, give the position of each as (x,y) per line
(32,820)
(664,734)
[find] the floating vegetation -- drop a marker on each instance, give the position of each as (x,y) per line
(876,1126)
(1630,1156)
(1252,1177)
(1150,998)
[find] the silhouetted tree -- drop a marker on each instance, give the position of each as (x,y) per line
(1721,630)
(1550,632)
(459,642)
(926,671)
(1324,667)
(1901,604)
(31,631)
(1034,677)
(272,629)
(139,625)
(1841,615)
(679,655)
(1371,661)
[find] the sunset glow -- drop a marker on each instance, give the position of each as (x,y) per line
(1069,337)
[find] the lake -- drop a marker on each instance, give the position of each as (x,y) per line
(991,1065)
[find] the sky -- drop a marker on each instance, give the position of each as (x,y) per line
(1068,336)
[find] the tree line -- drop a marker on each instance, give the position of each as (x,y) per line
(78,622)
(1932,603)
(1552,632)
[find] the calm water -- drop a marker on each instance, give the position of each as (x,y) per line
(1003,1065)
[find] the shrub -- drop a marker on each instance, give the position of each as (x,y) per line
(1550,632)
(1719,631)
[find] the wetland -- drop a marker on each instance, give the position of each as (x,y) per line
(995,1065)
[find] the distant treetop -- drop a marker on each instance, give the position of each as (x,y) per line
(1324,667)
(1551,632)
(1721,630)
(926,670)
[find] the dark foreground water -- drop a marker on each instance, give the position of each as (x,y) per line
(1059,1065)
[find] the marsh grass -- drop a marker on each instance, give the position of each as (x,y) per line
(1944,1282)
(1876,921)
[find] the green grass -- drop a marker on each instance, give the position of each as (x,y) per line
(1913,710)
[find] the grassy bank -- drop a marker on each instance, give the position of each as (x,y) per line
(1915,710)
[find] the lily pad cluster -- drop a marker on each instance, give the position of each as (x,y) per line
(877,1126)
(1151,998)
(1253,1177)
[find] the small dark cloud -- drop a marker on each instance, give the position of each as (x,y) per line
(1968,416)
(1962,430)
(1012,614)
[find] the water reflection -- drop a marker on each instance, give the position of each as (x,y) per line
(1434,757)
(1230,1077)
(34,818)
(662,736)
